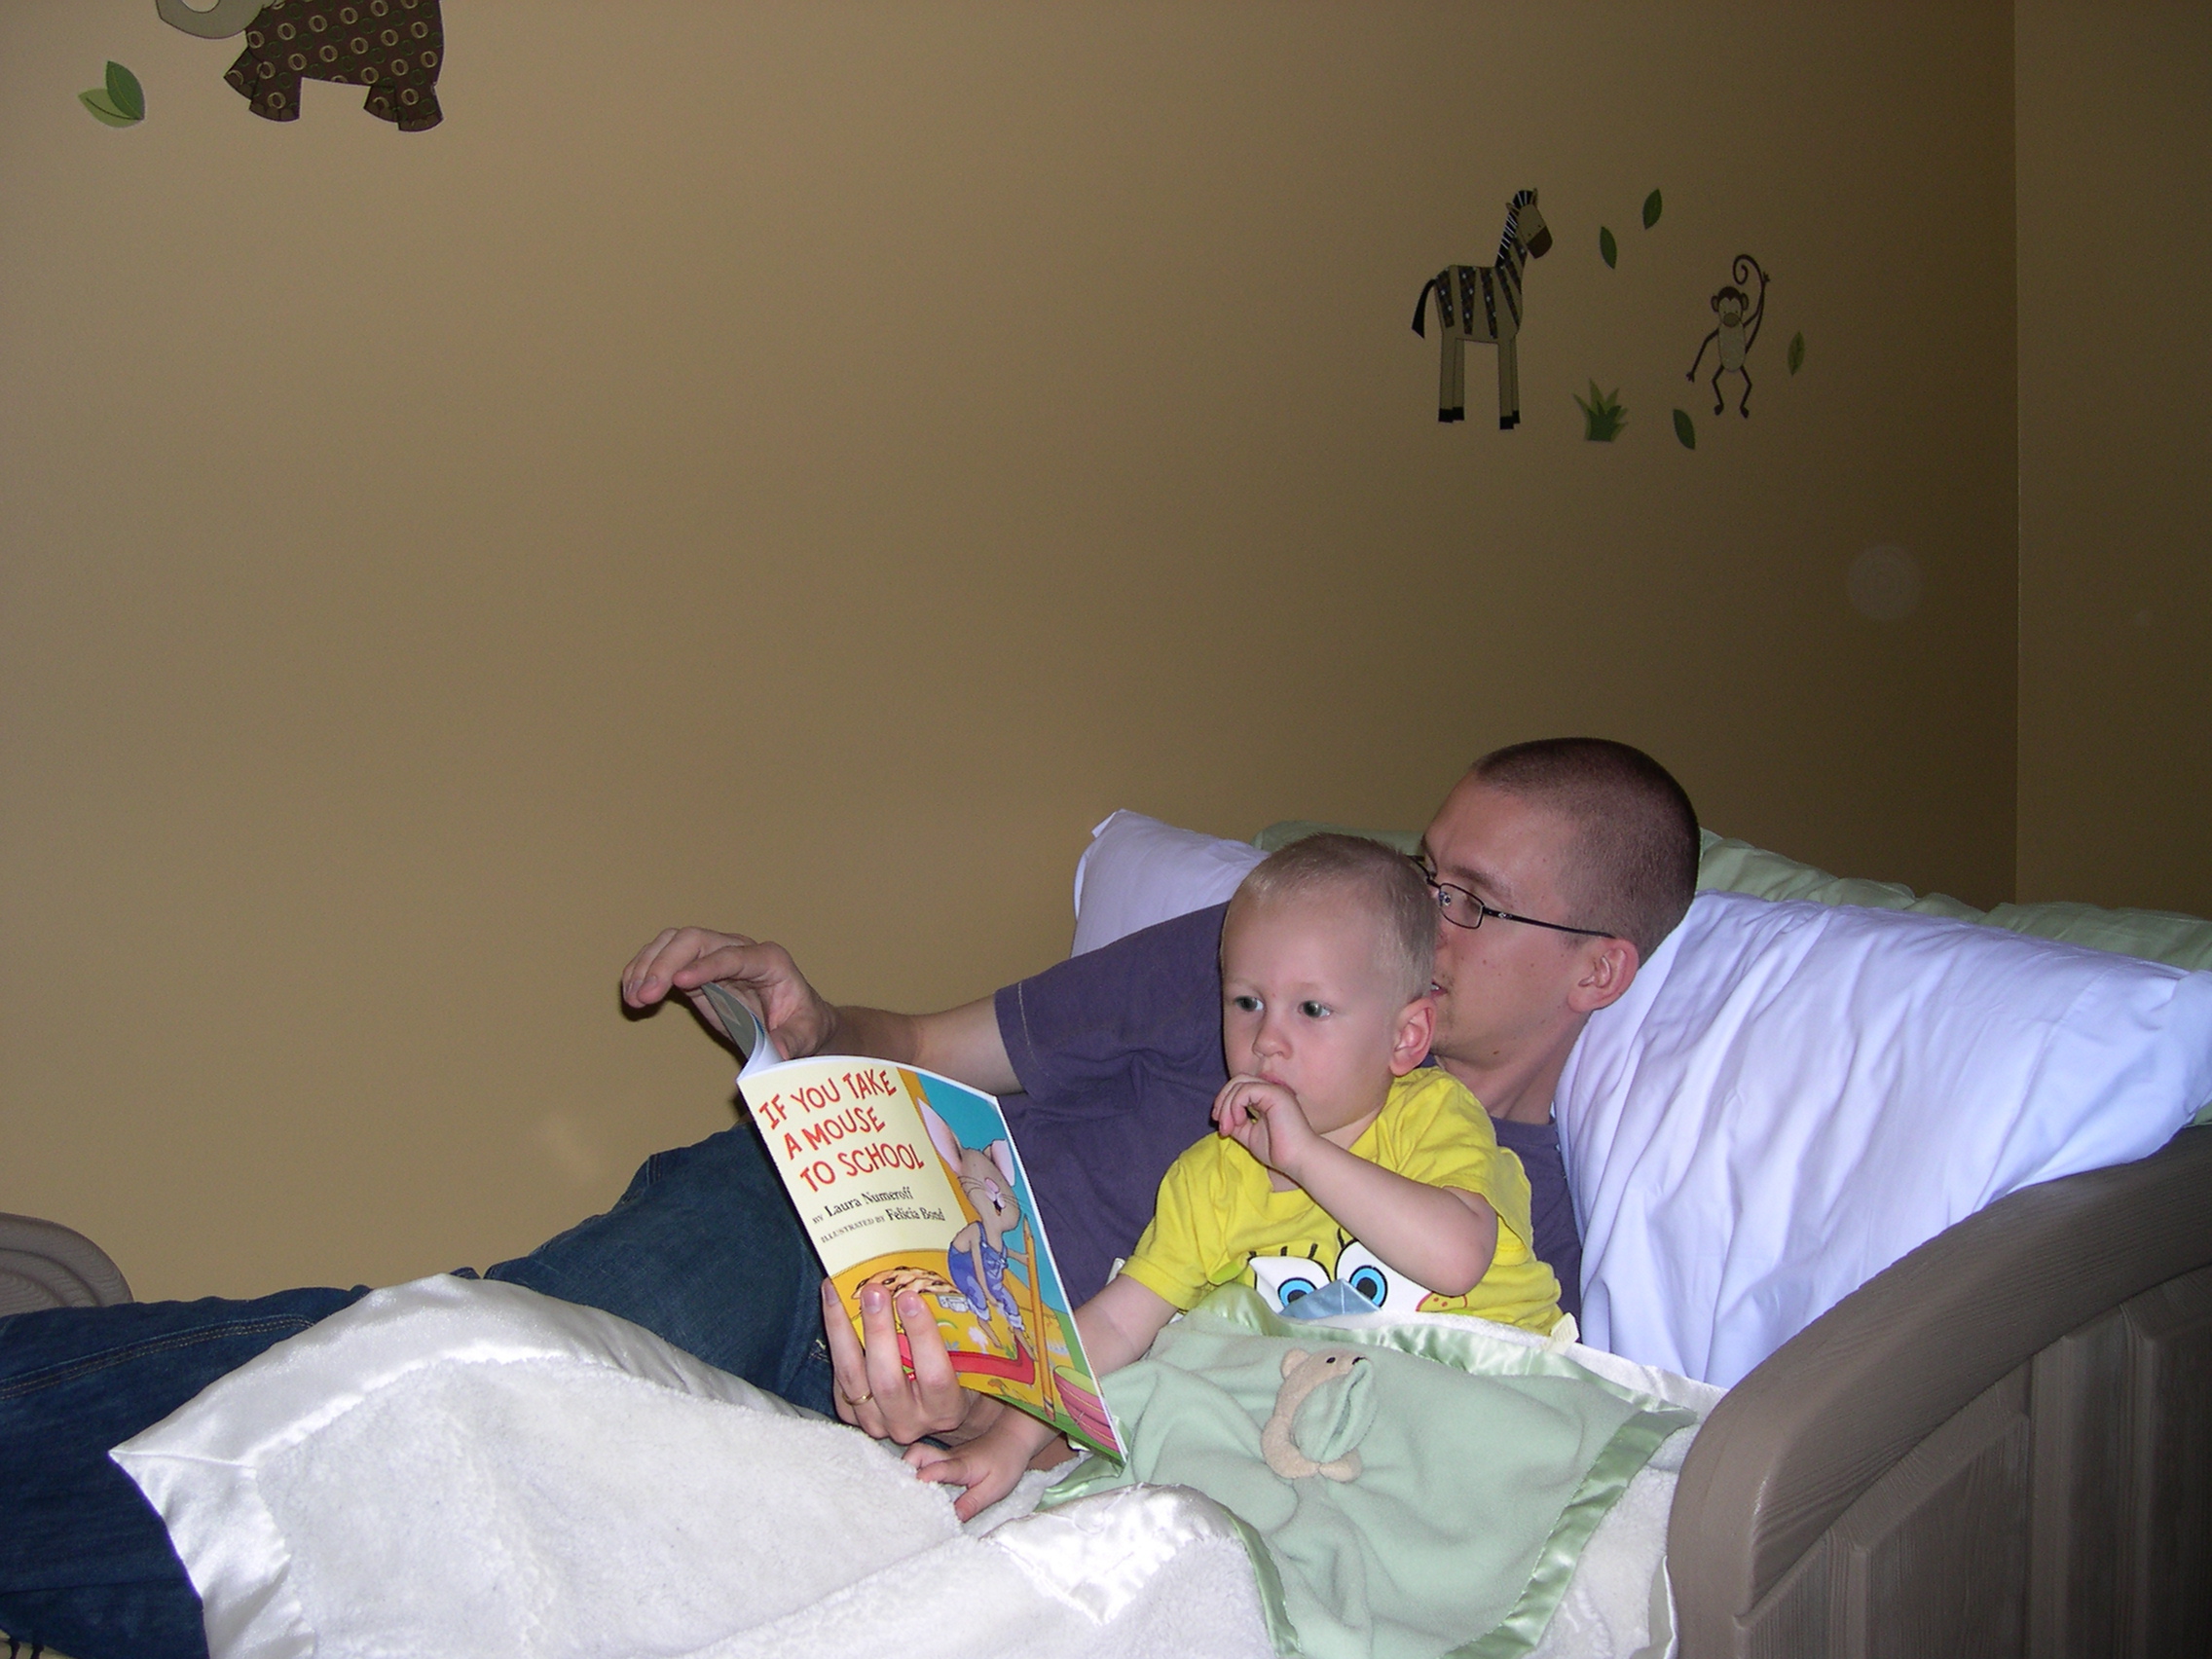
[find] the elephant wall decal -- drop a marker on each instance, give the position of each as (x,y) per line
(394,48)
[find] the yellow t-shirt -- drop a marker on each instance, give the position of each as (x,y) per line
(1219,1219)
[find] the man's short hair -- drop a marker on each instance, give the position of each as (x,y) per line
(1633,867)
(1384,881)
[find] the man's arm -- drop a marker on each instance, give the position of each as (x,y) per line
(963,1043)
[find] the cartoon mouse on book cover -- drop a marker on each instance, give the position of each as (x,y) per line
(977,1256)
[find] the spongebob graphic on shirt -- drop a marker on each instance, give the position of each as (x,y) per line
(1355,1281)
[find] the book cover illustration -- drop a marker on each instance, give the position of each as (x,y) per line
(910,1180)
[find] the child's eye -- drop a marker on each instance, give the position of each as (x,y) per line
(1245,1005)
(1313,1010)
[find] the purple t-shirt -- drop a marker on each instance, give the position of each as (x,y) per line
(1119,1053)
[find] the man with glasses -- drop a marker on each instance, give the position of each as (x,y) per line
(1557,867)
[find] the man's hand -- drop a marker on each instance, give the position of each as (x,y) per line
(1266,1119)
(874,1392)
(963,1043)
(682,959)
(989,1466)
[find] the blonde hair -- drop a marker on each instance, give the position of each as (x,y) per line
(1390,888)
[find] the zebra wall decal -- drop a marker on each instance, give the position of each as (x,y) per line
(1474,303)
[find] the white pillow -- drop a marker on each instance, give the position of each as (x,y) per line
(1138,870)
(1792,1097)
(464,1468)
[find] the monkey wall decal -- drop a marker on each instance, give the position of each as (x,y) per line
(1739,329)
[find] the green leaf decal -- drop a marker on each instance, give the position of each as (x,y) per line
(1651,206)
(1685,430)
(125,93)
(1796,351)
(1608,249)
(103,109)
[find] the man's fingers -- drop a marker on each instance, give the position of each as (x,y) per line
(639,969)
(849,1374)
(927,1400)
(934,1380)
(849,1369)
(909,1411)
(686,959)
(653,971)
(734,960)
(726,968)
(763,973)
(874,1391)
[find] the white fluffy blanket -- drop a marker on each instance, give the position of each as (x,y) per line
(470,1470)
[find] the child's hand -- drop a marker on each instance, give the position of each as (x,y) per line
(1266,1119)
(989,1466)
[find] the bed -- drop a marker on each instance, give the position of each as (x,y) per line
(2000,1442)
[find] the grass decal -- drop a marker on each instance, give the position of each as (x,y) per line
(1602,416)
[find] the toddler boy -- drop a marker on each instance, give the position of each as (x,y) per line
(1338,1158)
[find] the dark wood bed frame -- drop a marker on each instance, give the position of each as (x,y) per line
(2001,1445)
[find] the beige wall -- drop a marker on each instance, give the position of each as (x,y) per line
(800,466)
(2114,121)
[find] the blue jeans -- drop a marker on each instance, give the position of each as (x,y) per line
(703,1248)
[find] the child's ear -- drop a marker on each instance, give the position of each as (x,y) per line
(1416,1026)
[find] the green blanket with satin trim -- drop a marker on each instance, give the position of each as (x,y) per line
(1482,1469)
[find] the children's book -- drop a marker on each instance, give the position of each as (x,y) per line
(911,1181)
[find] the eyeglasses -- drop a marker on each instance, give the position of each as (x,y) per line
(1462,909)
